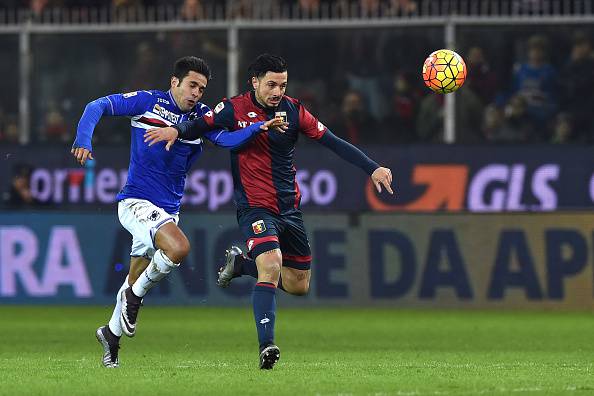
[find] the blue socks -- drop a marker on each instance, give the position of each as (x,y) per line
(264,303)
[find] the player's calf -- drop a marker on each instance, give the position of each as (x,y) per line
(131,298)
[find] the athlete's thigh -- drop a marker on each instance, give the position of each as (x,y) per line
(259,227)
(293,277)
(294,243)
(143,219)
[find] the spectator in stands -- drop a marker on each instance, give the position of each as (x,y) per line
(402,7)
(513,125)
(563,131)
(370,8)
(481,79)
(469,115)
(399,125)
(19,194)
(191,10)
(536,81)
(354,123)
(9,130)
(577,87)
(55,128)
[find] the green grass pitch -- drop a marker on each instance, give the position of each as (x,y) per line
(211,351)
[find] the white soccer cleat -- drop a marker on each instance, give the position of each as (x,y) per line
(130,307)
(110,348)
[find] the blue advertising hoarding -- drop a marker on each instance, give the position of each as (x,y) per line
(396,260)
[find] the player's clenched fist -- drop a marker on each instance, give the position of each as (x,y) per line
(81,154)
(382,176)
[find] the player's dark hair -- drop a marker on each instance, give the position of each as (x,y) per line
(183,67)
(267,63)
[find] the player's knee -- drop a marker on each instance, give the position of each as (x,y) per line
(270,264)
(270,267)
(178,250)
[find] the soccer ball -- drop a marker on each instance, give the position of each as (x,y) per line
(444,71)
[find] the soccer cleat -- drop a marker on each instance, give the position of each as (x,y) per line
(130,306)
(226,272)
(269,356)
(110,346)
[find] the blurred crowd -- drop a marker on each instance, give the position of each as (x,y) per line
(204,9)
(532,86)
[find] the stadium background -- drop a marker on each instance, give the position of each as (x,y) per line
(495,183)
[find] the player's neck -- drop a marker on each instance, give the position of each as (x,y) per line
(259,102)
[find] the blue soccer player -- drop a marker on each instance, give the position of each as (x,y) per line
(266,190)
(149,203)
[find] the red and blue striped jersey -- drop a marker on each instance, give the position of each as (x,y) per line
(263,169)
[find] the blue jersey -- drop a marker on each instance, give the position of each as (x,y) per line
(155,174)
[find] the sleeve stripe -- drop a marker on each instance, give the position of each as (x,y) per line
(111,104)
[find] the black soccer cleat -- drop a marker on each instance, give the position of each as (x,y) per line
(110,344)
(269,356)
(227,272)
(130,307)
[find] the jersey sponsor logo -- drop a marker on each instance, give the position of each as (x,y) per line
(219,107)
(244,124)
(258,227)
(251,114)
(130,94)
(282,114)
(321,126)
(161,100)
(166,114)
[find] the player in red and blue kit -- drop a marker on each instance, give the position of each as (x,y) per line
(149,203)
(266,191)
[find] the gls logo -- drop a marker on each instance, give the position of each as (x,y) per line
(493,188)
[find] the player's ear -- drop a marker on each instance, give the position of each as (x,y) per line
(255,82)
(174,81)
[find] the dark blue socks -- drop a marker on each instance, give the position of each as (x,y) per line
(264,303)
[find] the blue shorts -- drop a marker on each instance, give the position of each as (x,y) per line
(265,231)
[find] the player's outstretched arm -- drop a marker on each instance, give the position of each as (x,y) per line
(82,148)
(379,175)
(187,130)
(236,139)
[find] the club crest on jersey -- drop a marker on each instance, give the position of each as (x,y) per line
(154,216)
(282,114)
(258,227)
(219,107)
